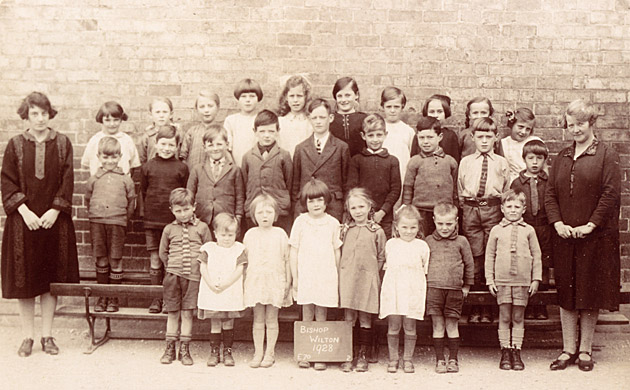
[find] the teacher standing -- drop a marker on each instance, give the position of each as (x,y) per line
(582,201)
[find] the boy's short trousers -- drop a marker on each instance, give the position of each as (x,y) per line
(152,238)
(179,293)
(107,240)
(516,295)
(444,302)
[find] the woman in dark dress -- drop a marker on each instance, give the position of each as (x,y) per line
(582,201)
(39,243)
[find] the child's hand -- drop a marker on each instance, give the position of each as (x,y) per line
(533,288)
(31,220)
(465,290)
(564,231)
(493,289)
(378,216)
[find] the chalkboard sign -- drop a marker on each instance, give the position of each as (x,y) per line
(326,341)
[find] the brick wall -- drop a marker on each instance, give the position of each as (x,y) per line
(536,53)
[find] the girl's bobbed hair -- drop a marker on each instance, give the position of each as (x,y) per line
(225,222)
(315,189)
(265,200)
(582,111)
(36,99)
(112,109)
(478,99)
(360,193)
(344,82)
(521,114)
(443,99)
(292,82)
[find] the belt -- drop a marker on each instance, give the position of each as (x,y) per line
(483,202)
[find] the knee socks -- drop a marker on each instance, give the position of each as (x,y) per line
(258,334)
(115,277)
(517,337)
(409,346)
(272,338)
(156,275)
(504,338)
(438,345)
(102,275)
(453,347)
(392,344)
(215,340)
(228,337)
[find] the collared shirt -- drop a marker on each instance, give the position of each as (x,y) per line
(522,184)
(171,247)
(128,160)
(469,175)
(323,140)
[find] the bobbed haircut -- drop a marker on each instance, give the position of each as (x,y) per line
(521,114)
(392,93)
(292,82)
(161,99)
(214,131)
(264,118)
(109,146)
(343,83)
(319,102)
(582,111)
(112,109)
(314,189)
(444,209)
(263,200)
(181,197)
(225,222)
(429,123)
(360,193)
(444,100)
(373,122)
(478,99)
(536,147)
(407,211)
(167,131)
(210,95)
(247,86)
(36,99)
(513,195)
(484,124)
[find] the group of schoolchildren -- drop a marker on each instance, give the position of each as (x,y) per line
(339,209)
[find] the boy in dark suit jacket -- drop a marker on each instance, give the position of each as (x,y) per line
(323,157)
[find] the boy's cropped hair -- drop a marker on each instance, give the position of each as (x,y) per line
(319,102)
(225,222)
(167,131)
(36,99)
(484,124)
(582,111)
(263,199)
(214,131)
(246,86)
(428,123)
(264,118)
(164,100)
(513,195)
(373,122)
(446,104)
(210,95)
(109,146)
(391,93)
(112,109)
(315,189)
(407,211)
(536,147)
(181,197)
(444,209)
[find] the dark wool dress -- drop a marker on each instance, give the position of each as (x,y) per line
(347,127)
(39,174)
(587,189)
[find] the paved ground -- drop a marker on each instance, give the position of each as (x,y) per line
(131,364)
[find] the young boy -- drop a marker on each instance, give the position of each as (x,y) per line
(192,150)
(323,157)
(179,250)
(377,171)
(431,176)
(532,182)
(451,273)
(158,177)
(482,178)
(217,184)
(513,272)
(268,169)
(239,126)
(110,197)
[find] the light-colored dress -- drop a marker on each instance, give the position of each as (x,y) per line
(362,251)
(513,153)
(293,130)
(404,285)
(220,263)
(316,241)
(398,143)
(266,275)
(241,135)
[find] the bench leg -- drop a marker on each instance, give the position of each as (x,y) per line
(95,343)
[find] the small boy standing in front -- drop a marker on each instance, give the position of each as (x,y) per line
(450,275)
(377,171)
(532,181)
(158,177)
(240,126)
(513,272)
(179,250)
(482,178)
(267,168)
(110,197)
(217,183)
(431,176)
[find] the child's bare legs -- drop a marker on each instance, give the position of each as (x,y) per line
(273,329)
(187,324)
(310,312)
(518,333)
(505,319)
(258,334)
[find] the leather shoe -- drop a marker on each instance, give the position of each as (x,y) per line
(585,365)
(49,346)
(561,364)
(26,348)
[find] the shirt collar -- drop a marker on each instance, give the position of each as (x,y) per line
(193,221)
(322,139)
(220,162)
(439,152)
(591,150)
(52,134)
(524,178)
(264,149)
(100,172)
(504,222)
(490,154)
(382,152)
(437,236)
